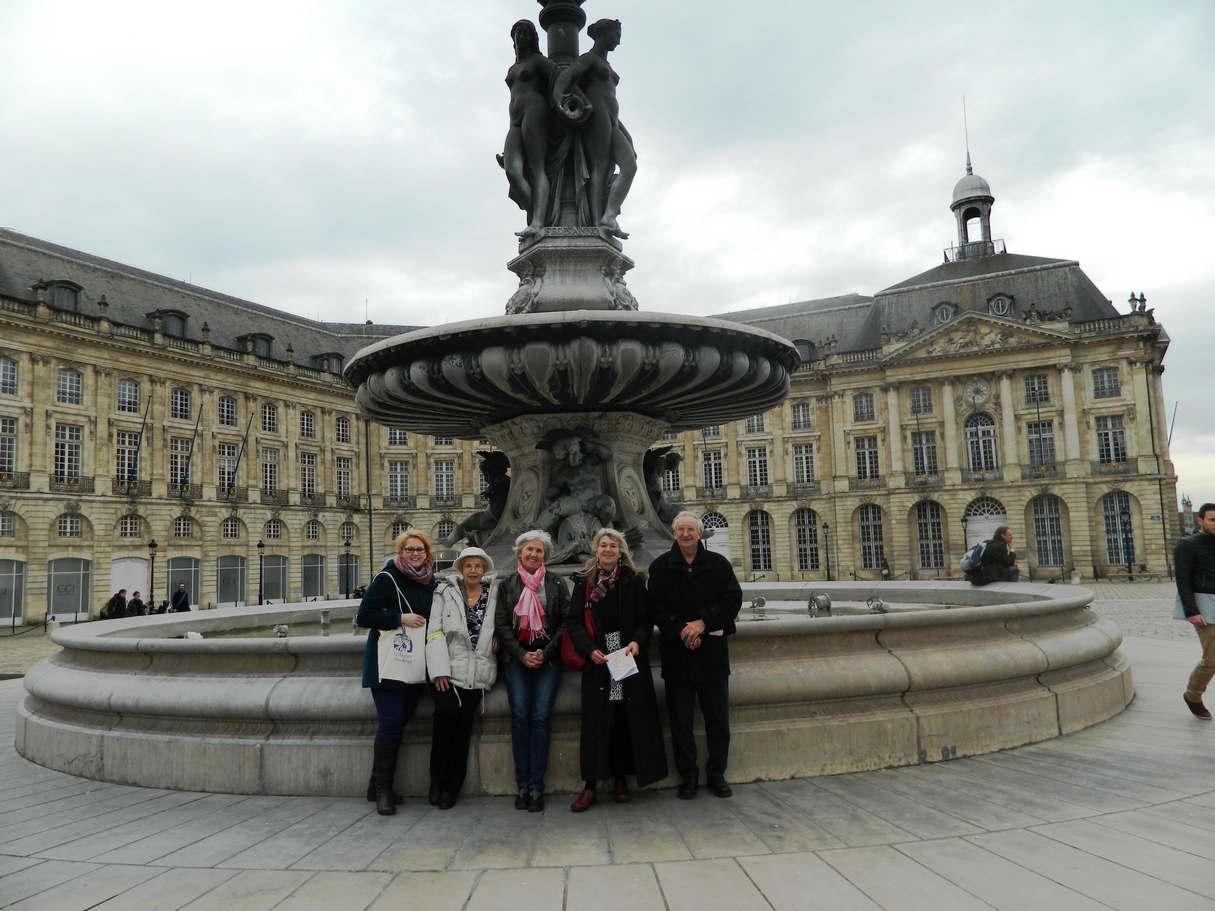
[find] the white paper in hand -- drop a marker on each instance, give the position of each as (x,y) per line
(620,664)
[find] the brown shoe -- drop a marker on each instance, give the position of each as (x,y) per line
(583,801)
(1199,710)
(622,791)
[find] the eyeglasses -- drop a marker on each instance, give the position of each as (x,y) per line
(413,550)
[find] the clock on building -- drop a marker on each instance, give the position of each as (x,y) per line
(976,391)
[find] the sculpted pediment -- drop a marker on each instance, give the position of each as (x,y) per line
(975,332)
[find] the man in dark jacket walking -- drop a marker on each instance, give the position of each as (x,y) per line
(181,599)
(1194,558)
(695,599)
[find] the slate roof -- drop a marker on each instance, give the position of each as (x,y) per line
(133,294)
(814,320)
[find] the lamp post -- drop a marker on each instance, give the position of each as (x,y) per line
(346,566)
(261,568)
(827,548)
(1125,517)
(965,540)
(152,575)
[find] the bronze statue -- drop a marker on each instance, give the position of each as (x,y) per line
(656,463)
(575,506)
(526,148)
(477,527)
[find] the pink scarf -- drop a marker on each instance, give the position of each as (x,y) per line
(422,575)
(528,610)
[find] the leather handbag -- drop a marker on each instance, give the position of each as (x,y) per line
(569,656)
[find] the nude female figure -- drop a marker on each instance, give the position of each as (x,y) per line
(530,118)
(586,91)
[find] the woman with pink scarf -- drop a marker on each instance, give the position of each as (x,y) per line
(530,613)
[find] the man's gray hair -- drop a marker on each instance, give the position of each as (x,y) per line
(700,525)
(534,534)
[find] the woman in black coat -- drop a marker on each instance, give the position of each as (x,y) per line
(621,730)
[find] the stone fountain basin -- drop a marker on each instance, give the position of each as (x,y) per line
(1006,665)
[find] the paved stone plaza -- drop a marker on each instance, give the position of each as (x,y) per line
(1118,816)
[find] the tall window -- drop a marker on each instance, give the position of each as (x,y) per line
(8,376)
(274,530)
(1041,436)
(126,453)
(1119,529)
(341,430)
(128,527)
(1105,383)
(759,528)
(445,528)
(757,466)
(342,474)
(671,480)
(398,479)
(928,530)
(805,528)
(8,528)
(445,441)
(397,529)
(269,471)
(1037,390)
(227,465)
(179,461)
(862,406)
(397,436)
(69,439)
(802,416)
(921,400)
(8,445)
(308,473)
(1111,440)
(269,418)
(872,551)
(924,452)
(981,443)
(231,528)
(445,478)
(755,424)
(1048,530)
(227,411)
(183,527)
(179,404)
(312,530)
(866,457)
(69,389)
(307,424)
(714,476)
(346,532)
(70,526)
(128,396)
(803,463)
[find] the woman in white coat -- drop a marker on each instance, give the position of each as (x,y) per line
(460,659)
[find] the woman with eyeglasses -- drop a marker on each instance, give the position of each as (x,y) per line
(399,596)
(531,610)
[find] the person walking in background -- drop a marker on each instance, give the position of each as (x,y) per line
(181,599)
(116,607)
(1194,557)
(136,606)
(695,598)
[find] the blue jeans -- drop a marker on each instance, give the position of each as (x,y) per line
(532,692)
(394,708)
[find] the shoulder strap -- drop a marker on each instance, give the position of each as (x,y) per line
(400,596)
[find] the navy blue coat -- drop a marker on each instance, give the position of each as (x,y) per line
(380,610)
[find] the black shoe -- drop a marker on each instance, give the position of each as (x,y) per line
(720,788)
(396,798)
(435,793)
(446,800)
(687,789)
(1199,710)
(535,801)
(521,799)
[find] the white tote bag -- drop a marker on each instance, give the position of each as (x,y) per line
(402,652)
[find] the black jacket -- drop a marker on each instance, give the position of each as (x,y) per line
(1194,557)
(506,625)
(997,561)
(181,601)
(706,589)
(380,609)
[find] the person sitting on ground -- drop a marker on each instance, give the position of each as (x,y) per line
(999,562)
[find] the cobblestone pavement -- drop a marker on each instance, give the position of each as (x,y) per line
(20,652)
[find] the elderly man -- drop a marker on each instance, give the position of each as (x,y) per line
(695,598)
(1194,558)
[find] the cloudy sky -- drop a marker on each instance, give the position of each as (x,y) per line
(323,156)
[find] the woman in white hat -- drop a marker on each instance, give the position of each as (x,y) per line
(460,649)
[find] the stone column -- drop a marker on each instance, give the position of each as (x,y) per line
(840,468)
(1143,423)
(1071,427)
(950,417)
(1012,452)
(894,430)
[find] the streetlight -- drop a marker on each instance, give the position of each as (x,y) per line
(827,548)
(152,575)
(1125,516)
(261,568)
(346,565)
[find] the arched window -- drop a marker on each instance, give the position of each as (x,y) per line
(872,550)
(982,517)
(183,527)
(446,527)
(397,528)
(129,527)
(1119,528)
(347,532)
(1048,530)
(714,520)
(70,526)
(805,528)
(981,452)
(274,529)
(231,528)
(759,527)
(312,530)
(929,534)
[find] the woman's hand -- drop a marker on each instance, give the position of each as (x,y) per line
(598,657)
(494,648)
(414,621)
(533,659)
(442,683)
(632,649)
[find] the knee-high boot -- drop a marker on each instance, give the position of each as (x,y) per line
(384,771)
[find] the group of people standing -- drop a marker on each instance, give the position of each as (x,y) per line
(120,605)
(536,626)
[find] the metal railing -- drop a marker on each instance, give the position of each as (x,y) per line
(866,483)
(1111,467)
(978,477)
(184,491)
(232,494)
(15,480)
(348,501)
(274,497)
(971,250)
(124,487)
(445,500)
(405,501)
(759,490)
(313,498)
(799,487)
(62,484)
(912,479)
(710,493)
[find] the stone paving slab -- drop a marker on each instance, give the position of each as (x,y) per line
(1121,815)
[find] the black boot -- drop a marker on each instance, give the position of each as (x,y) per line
(385,769)
(396,798)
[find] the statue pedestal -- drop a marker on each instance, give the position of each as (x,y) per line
(571,269)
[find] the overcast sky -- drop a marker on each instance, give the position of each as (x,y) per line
(315,156)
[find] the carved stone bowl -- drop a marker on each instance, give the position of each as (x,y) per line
(687,372)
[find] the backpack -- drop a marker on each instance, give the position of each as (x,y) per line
(972,560)
(107,612)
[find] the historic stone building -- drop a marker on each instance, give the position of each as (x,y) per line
(993,389)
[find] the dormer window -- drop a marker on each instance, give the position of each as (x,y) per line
(943,313)
(174,324)
(62,295)
(330,363)
(805,349)
(1000,305)
(260,344)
